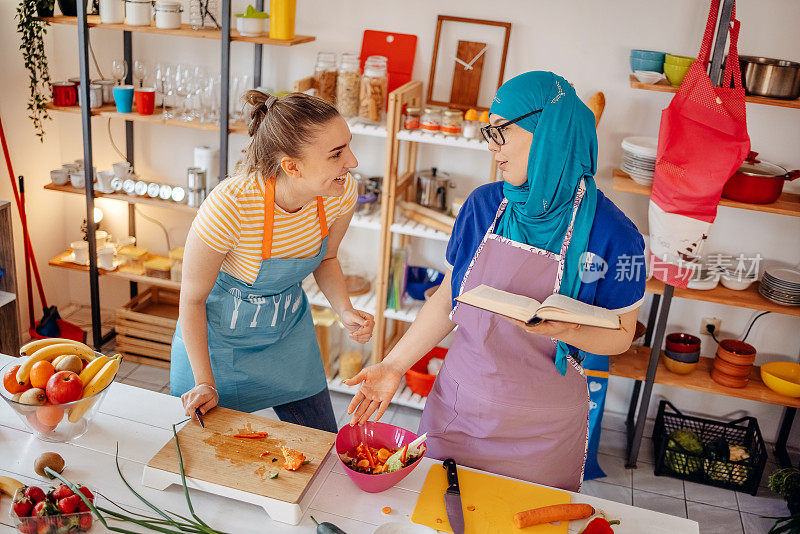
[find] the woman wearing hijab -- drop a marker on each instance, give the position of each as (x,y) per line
(510,398)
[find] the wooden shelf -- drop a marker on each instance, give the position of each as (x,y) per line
(419,136)
(237,127)
(748,298)
(185,30)
(60,262)
(131,199)
(664,87)
(787,204)
(633,364)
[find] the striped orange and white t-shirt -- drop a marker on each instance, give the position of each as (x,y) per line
(231,220)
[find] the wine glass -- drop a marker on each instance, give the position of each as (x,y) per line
(139,72)
(167,91)
(119,69)
(182,89)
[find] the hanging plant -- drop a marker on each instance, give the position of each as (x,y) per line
(32,31)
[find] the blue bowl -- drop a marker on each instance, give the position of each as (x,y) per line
(419,279)
(646,64)
(650,55)
(684,357)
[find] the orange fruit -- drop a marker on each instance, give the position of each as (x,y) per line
(50,416)
(41,373)
(11,384)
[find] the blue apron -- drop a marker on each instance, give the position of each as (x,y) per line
(261,337)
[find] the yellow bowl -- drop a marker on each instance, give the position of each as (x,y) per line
(677,367)
(675,73)
(681,61)
(782,377)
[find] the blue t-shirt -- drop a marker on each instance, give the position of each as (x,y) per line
(613,238)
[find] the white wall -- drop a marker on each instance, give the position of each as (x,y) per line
(585,41)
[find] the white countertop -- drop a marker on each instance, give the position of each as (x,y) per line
(140,421)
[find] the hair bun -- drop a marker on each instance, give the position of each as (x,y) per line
(260,103)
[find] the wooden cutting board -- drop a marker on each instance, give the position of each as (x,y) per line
(216,461)
(495,500)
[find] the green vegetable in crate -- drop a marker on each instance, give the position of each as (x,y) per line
(683,440)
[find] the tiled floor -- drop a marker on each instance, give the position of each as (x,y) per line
(717,510)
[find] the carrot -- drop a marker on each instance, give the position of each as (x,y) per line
(387,510)
(369,457)
(552,514)
(252,435)
(263,454)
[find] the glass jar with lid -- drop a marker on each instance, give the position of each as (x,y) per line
(412,118)
(348,85)
(325,76)
(451,122)
(374,89)
(431,119)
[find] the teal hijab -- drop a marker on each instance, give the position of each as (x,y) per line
(563,153)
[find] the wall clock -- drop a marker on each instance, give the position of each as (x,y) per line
(468,63)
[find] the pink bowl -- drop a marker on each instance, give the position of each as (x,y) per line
(375,435)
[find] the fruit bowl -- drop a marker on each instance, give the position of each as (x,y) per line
(375,435)
(782,377)
(55,422)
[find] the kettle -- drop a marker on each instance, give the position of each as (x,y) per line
(432,189)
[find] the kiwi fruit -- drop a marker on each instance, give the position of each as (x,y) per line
(70,363)
(48,459)
(33,396)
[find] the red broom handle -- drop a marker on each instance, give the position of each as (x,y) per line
(27,258)
(24,220)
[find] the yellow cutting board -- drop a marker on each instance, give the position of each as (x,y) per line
(495,499)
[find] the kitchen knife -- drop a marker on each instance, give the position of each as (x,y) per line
(199,415)
(452,498)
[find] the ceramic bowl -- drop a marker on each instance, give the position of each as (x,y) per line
(375,435)
(680,368)
(682,342)
(737,283)
(683,357)
(251,27)
(782,377)
(706,283)
(681,61)
(736,352)
(731,369)
(51,422)
(651,55)
(728,381)
(675,73)
(648,76)
(646,64)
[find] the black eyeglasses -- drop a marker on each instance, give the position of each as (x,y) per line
(495,133)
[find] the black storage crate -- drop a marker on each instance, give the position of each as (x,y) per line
(700,467)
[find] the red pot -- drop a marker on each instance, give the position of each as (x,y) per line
(757,182)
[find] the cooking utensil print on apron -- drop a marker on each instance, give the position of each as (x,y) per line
(258,301)
(286,304)
(276,299)
(237,301)
(296,305)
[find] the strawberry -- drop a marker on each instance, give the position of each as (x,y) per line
(29,527)
(61,492)
(37,510)
(45,508)
(85,522)
(82,507)
(23,507)
(68,505)
(87,493)
(35,494)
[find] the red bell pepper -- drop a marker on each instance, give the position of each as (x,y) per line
(599,525)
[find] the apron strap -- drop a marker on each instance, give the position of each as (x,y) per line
(269,218)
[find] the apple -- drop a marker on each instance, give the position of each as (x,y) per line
(64,387)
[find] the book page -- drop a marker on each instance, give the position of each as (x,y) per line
(563,308)
(502,302)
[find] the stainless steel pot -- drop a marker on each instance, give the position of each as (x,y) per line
(774,78)
(432,189)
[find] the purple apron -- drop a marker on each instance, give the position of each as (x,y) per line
(498,403)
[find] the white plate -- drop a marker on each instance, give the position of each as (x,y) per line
(641,146)
(790,276)
(403,528)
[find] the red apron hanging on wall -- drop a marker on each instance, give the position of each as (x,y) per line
(702,140)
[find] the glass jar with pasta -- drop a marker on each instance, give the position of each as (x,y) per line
(325,76)
(348,85)
(374,90)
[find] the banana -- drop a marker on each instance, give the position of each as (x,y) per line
(49,353)
(100,381)
(9,486)
(33,346)
(92,369)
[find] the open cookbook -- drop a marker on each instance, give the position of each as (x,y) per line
(554,308)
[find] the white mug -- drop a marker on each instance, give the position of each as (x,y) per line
(104,179)
(77,179)
(80,249)
(122,169)
(105,257)
(59,176)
